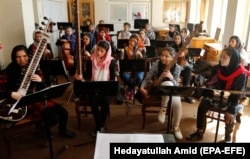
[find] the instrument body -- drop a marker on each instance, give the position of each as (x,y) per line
(8,110)
(67,57)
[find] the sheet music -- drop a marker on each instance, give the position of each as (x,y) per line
(104,139)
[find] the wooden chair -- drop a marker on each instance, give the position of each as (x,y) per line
(215,113)
(153,103)
(82,107)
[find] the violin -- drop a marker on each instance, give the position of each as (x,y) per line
(67,57)
(182,59)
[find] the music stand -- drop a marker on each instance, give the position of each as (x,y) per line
(64,25)
(95,88)
(135,65)
(151,51)
(55,67)
(140,23)
(121,43)
(43,95)
(170,91)
(110,27)
(164,43)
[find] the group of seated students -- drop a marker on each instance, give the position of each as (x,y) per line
(229,74)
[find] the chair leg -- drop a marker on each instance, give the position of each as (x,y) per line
(78,116)
(143,116)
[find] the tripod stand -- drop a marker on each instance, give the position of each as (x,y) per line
(170,91)
(44,95)
(132,66)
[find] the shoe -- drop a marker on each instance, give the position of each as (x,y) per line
(195,136)
(94,132)
(189,100)
(68,134)
(162,115)
(177,133)
(131,96)
(127,95)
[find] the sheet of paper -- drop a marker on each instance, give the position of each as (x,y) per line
(104,139)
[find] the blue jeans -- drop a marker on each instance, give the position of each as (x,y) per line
(128,78)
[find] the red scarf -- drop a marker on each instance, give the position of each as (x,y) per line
(229,79)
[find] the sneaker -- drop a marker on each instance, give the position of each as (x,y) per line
(195,136)
(162,115)
(189,100)
(127,95)
(131,96)
(177,133)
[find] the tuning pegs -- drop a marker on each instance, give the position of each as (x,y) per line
(45,18)
(43,23)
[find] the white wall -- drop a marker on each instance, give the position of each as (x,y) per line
(13,22)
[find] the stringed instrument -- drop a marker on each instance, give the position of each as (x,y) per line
(78,39)
(177,56)
(67,57)
(8,110)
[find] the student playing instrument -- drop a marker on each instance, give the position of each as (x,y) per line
(54,113)
(168,78)
(227,75)
(135,50)
(186,72)
(100,67)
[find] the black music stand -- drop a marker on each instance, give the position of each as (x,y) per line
(64,25)
(110,27)
(163,43)
(55,67)
(121,43)
(94,88)
(140,23)
(151,51)
(43,95)
(170,91)
(133,66)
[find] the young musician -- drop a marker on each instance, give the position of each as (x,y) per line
(166,78)
(100,67)
(52,113)
(186,72)
(227,75)
(47,55)
(135,50)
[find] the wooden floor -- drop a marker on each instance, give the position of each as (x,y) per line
(31,147)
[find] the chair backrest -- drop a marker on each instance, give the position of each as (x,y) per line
(148,64)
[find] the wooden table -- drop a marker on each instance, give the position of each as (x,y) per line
(198,42)
(212,51)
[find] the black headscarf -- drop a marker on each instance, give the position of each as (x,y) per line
(234,61)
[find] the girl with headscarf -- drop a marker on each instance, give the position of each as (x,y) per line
(51,112)
(100,67)
(229,74)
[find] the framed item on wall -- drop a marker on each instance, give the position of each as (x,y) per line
(118,12)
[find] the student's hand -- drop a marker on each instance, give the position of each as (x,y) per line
(138,54)
(16,95)
(144,92)
(229,118)
(79,77)
(36,78)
